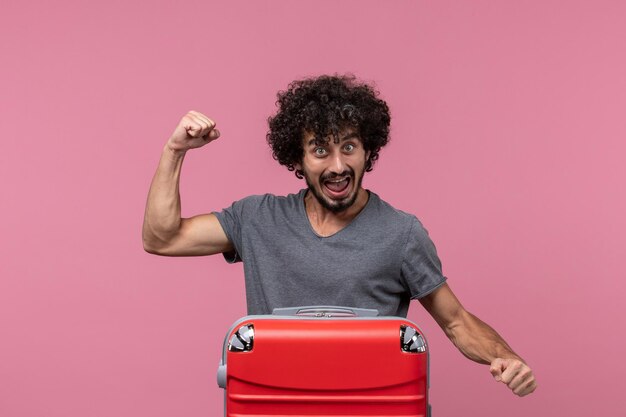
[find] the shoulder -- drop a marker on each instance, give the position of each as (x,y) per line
(256,203)
(386,211)
(399,219)
(272,201)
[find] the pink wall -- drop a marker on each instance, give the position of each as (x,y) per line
(508,142)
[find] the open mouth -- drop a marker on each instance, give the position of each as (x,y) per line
(337,188)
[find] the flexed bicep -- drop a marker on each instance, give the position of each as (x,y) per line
(197,236)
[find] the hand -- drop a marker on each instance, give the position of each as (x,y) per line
(515,374)
(193,131)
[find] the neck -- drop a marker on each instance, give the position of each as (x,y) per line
(320,216)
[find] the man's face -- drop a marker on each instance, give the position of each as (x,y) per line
(334,171)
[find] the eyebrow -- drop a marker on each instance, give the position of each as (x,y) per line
(348,136)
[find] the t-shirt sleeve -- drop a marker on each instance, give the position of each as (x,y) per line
(421,267)
(232,220)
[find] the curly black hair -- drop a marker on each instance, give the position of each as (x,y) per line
(325,105)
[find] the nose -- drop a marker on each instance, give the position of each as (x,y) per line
(338,165)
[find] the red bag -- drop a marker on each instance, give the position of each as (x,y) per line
(324,361)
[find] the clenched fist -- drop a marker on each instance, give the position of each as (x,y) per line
(193,131)
(515,374)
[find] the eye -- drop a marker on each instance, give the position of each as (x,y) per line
(319,151)
(349,147)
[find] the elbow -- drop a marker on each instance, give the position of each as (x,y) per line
(157,250)
(151,241)
(151,244)
(156,241)
(149,248)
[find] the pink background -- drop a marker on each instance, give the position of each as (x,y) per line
(508,142)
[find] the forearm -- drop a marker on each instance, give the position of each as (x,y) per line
(163,210)
(478,341)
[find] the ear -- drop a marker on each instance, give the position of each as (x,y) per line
(367,155)
(298,166)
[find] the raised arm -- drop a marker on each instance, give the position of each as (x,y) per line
(479,342)
(164,231)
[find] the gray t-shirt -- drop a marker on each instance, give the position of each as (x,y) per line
(382,259)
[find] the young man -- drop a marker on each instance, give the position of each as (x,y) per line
(333,243)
